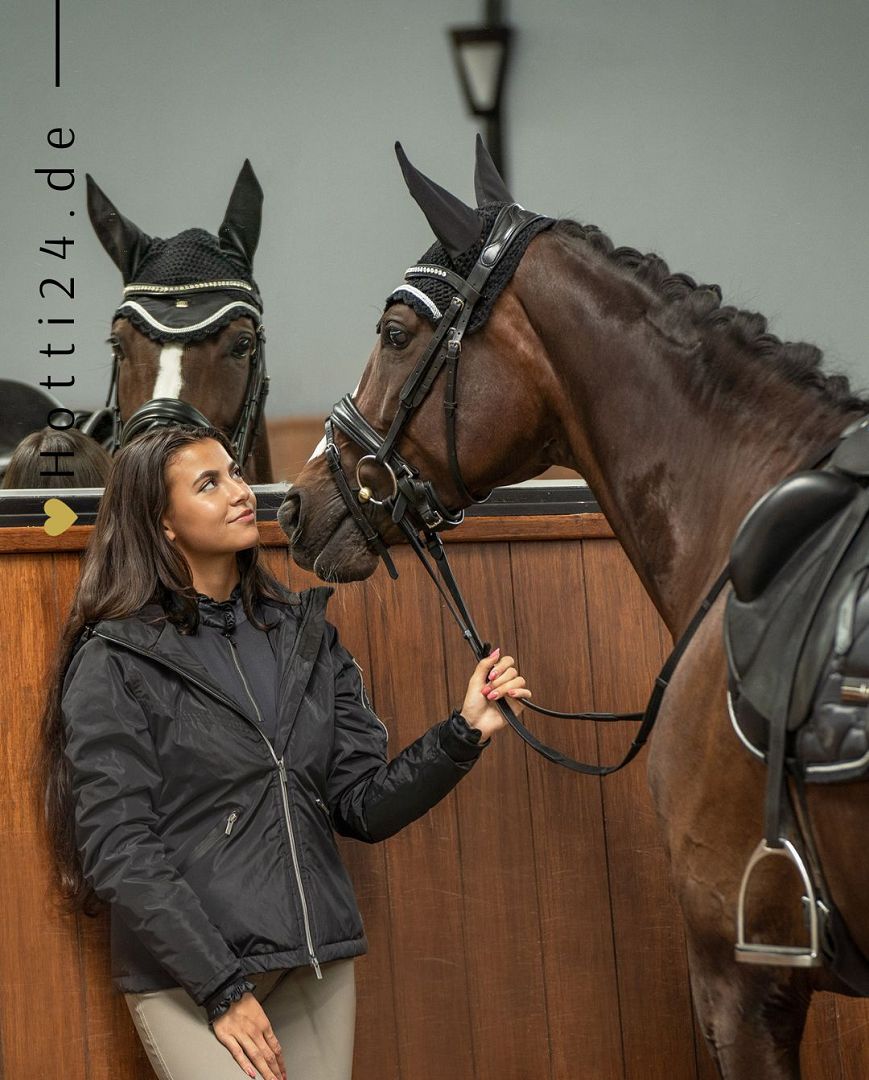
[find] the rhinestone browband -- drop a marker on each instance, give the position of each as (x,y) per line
(194,287)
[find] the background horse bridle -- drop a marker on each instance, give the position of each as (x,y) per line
(161,411)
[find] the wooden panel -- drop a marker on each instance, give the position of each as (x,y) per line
(821,1049)
(33,538)
(38,948)
(429,939)
(626,655)
(850,1036)
(567,828)
(499,879)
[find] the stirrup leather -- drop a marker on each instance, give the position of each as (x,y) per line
(780,955)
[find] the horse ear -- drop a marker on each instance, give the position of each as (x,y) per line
(488,185)
(240,230)
(453,223)
(124,241)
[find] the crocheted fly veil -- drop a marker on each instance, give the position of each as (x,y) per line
(462,233)
(191,285)
(182,290)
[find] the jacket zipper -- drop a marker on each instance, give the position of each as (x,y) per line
(283,774)
(315,963)
(205,845)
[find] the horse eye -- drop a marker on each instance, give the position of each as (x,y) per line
(398,338)
(242,345)
(117,348)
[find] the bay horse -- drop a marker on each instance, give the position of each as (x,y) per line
(680,413)
(187,338)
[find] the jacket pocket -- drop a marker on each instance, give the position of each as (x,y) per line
(222,832)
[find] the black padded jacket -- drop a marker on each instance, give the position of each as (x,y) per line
(213,844)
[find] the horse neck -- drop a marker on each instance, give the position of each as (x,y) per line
(673,473)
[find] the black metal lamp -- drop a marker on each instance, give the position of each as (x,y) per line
(480,53)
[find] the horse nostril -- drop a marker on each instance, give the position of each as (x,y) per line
(290,516)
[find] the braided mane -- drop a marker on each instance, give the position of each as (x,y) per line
(697,307)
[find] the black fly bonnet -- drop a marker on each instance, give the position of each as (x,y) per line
(182,290)
(427,290)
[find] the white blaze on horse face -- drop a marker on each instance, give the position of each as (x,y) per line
(318,449)
(168,381)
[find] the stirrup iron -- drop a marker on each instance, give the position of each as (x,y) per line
(779,955)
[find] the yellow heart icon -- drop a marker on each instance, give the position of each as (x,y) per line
(59,516)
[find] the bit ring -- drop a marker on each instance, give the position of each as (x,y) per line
(364,495)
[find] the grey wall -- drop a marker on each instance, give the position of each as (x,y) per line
(729,138)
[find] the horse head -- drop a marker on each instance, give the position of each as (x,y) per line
(187,338)
(417,432)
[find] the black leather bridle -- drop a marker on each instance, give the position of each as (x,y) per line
(414,505)
(410,496)
(162,411)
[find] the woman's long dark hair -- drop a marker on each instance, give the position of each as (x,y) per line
(129,563)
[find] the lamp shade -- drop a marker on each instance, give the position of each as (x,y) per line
(480,54)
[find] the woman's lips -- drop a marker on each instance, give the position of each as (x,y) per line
(247,516)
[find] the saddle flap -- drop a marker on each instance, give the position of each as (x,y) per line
(778,640)
(779,523)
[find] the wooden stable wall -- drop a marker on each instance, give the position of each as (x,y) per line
(524,929)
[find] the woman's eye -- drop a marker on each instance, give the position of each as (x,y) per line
(396,336)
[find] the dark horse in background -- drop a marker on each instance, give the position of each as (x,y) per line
(187,339)
(680,413)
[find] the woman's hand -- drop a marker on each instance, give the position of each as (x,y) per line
(493,678)
(245,1031)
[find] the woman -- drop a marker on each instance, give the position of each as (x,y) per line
(205,733)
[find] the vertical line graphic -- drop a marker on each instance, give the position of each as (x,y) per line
(57,42)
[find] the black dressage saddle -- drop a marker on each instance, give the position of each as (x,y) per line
(796,630)
(797,622)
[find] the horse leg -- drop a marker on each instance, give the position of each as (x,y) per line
(752,1017)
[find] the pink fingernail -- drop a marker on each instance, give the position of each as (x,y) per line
(495,652)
